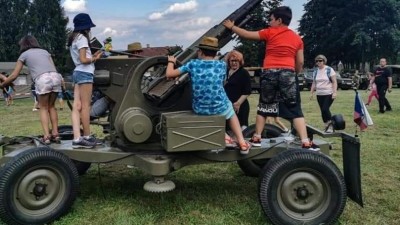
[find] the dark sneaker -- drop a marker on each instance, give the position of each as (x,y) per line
(83,143)
(310,146)
(388,109)
(255,141)
(94,140)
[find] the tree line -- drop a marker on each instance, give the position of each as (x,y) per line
(352,31)
(44,19)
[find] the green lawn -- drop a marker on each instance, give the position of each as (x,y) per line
(220,193)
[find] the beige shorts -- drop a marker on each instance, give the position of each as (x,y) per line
(48,82)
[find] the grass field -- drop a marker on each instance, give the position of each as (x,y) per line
(220,193)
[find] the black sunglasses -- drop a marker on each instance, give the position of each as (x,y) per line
(319,60)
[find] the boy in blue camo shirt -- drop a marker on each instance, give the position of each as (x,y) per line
(209,97)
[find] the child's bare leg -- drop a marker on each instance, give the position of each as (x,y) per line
(280,124)
(235,127)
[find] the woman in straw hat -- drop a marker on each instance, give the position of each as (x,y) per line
(207,76)
(79,44)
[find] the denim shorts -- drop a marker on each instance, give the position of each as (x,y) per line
(79,77)
(60,95)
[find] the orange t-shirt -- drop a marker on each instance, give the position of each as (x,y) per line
(282,45)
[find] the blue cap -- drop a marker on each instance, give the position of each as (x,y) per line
(82,21)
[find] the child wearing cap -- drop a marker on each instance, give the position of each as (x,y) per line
(207,76)
(79,45)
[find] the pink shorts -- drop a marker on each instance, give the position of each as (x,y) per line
(48,82)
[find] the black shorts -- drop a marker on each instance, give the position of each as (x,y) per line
(279,94)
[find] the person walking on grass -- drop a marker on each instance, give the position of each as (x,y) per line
(325,86)
(383,81)
(207,76)
(283,59)
(47,83)
(79,46)
(372,88)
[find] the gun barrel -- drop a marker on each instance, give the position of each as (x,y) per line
(240,16)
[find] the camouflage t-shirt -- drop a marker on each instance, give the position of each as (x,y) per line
(207,76)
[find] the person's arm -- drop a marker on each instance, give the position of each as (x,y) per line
(252,35)
(14,74)
(334,86)
(171,72)
(239,102)
(84,60)
(312,89)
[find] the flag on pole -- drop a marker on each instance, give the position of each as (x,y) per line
(361,114)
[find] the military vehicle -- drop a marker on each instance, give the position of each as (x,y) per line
(151,126)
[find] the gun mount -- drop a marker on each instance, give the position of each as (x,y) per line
(141,92)
(152,127)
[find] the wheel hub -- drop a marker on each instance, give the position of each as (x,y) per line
(303,195)
(39,190)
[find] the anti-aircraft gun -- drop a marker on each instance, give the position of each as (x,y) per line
(151,127)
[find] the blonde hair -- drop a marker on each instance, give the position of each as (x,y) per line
(235,54)
(322,57)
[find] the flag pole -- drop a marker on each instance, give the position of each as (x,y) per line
(356,131)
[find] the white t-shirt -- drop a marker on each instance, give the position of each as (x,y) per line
(81,42)
(323,85)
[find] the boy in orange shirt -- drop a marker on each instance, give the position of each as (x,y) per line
(284,58)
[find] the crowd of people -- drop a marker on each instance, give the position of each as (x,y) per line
(220,87)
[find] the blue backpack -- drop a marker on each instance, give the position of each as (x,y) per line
(328,72)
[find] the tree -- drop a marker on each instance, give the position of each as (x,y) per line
(254,51)
(43,19)
(353,31)
(49,27)
(13,24)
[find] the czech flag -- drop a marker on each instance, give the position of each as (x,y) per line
(361,114)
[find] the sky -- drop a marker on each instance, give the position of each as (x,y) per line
(157,23)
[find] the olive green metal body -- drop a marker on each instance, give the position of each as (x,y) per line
(151,126)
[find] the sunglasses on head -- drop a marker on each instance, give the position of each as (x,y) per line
(319,60)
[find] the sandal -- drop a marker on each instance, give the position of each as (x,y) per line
(55,138)
(244,148)
(45,140)
(230,143)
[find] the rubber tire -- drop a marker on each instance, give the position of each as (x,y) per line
(81,167)
(252,168)
(22,172)
(320,175)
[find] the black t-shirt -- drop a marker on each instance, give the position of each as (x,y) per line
(381,75)
(238,84)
